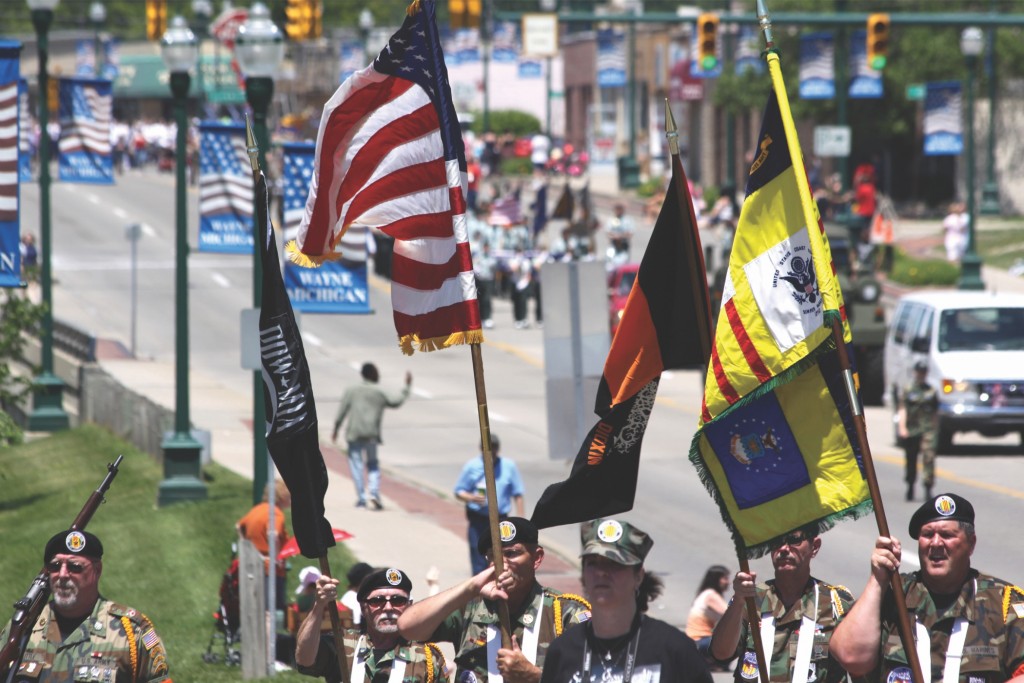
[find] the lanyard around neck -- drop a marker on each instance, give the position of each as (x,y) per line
(634,643)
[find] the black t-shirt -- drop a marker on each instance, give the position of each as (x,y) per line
(664,655)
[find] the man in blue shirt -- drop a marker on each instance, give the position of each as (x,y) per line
(471,489)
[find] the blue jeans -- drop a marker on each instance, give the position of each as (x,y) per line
(355,464)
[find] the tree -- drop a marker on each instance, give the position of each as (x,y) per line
(19,318)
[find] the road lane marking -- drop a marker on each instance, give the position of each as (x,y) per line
(312,339)
(516,351)
(941,473)
(497,417)
(93,198)
(148,230)
(220,280)
(120,213)
(422,393)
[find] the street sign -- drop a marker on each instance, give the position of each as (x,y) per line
(540,35)
(915,92)
(832,141)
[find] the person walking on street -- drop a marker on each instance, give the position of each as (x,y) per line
(82,636)
(621,642)
(378,655)
(919,428)
(363,405)
(471,489)
(708,607)
(969,626)
(466,615)
(798,616)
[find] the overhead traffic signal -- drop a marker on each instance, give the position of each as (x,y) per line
(298,19)
(316,28)
(878,40)
(156,19)
(464,13)
(707,41)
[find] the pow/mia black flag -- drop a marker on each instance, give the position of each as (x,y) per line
(292,436)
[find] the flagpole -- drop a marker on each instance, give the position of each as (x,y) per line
(504,620)
(252,149)
(672,133)
(814,234)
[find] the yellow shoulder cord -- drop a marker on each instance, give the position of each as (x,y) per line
(428,656)
(133,646)
(837,603)
(1008,592)
(558,608)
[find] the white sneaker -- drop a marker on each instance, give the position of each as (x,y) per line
(488,324)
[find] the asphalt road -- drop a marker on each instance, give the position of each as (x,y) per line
(430,438)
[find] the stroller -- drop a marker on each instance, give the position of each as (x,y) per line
(227,618)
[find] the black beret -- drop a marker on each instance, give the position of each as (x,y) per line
(70,542)
(512,530)
(383,578)
(942,506)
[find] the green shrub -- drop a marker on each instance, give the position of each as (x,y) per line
(519,123)
(517,166)
(916,272)
(650,187)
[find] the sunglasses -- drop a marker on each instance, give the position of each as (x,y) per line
(795,538)
(73,567)
(380,600)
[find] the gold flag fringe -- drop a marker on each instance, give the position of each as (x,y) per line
(305,260)
(412,342)
(413,8)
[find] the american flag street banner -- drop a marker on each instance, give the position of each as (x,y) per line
(337,286)
(389,156)
(943,119)
(10,256)
(85,58)
(24,133)
(83,153)
(225,189)
(817,66)
(352,58)
(505,45)
(111,66)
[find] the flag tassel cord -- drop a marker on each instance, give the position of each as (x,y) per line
(504,620)
(903,618)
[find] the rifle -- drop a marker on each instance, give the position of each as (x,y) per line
(27,610)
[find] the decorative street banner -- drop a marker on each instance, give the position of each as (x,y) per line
(505,41)
(337,286)
(464,47)
(10,254)
(85,58)
(83,154)
(943,119)
(24,134)
(865,82)
(530,68)
(353,58)
(817,66)
(611,58)
(748,52)
(225,189)
(111,66)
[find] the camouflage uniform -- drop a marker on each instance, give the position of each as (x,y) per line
(833,603)
(424,661)
(116,644)
(467,629)
(922,405)
(994,648)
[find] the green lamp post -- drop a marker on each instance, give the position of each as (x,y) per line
(972,41)
(990,190)
(259,48)
(48,413)
(181,451)
(97,15)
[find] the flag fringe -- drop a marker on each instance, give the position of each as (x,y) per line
(825,523)
(413,8)
(305,260)
(412,342)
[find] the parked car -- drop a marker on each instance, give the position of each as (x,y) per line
(620,282)
(974,345)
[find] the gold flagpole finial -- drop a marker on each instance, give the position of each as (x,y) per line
(765,23)
(251,147)
(671,131)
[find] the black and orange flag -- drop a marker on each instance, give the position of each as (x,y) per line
(666,325)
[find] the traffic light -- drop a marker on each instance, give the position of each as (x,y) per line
(707,41)
(316,28)
(298,19)
(464,13)
(878,40)
(156,19)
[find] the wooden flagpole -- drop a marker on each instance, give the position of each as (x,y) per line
(753,618)
(504,620)
(895,583)
(325,568)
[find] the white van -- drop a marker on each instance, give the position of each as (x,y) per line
(974,345)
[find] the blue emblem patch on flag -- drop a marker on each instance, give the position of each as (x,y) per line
(761,458)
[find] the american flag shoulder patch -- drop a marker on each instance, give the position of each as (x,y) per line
(150,639)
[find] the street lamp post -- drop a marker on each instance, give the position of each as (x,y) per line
(629,168)
(259,48)
(990,190)
(366,23)
(181,451)
(202,10)
(48,413)
(97,15)
(972,41)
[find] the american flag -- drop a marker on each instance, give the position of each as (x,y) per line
(298,169)
(389,155)
(225,176)
(85,114)
(24,133)
(505,212)
(8,134)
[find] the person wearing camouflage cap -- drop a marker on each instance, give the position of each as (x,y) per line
(971,624)
(377,655)
(620,642)
(917,426)
(466,615)
(799,614)
(80,636)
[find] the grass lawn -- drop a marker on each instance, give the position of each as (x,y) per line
(1001,248)
(166,563)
